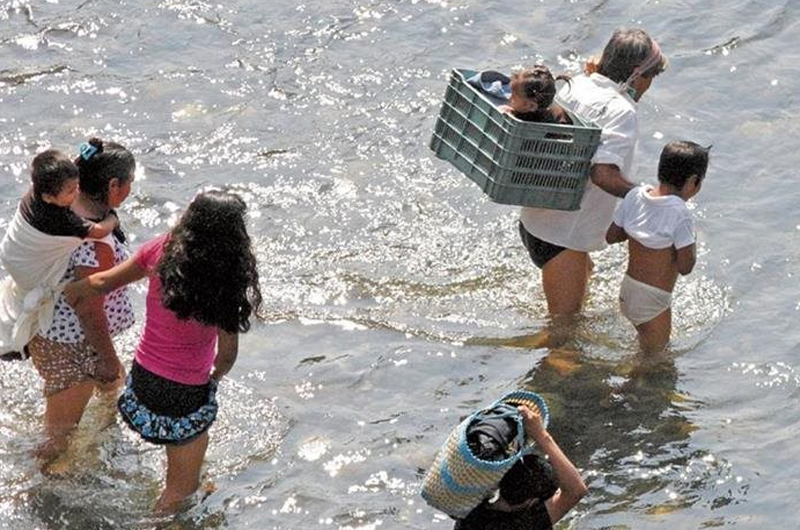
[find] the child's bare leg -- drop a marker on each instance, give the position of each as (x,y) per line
(654,334)
(183,473)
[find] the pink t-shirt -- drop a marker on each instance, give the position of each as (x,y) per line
(178,350)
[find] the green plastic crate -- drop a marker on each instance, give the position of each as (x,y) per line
(541,165)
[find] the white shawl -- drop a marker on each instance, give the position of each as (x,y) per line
(36,263)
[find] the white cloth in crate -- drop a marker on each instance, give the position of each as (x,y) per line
(597,99)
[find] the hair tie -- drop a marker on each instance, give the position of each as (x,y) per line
(87,150)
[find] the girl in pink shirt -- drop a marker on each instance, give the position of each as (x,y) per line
(203,288)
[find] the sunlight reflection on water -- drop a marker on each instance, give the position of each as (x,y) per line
(398,298)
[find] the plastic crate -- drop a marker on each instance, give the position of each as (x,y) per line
(541,165)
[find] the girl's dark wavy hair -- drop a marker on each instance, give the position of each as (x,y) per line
(208,270)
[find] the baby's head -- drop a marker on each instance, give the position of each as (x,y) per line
(683,166)
(54,177)
(533,89)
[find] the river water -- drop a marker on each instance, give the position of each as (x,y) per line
(398,297)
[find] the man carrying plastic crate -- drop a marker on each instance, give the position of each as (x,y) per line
(559,242)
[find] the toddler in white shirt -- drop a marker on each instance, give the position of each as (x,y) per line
(661,240)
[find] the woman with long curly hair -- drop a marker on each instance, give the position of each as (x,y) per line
(203,289)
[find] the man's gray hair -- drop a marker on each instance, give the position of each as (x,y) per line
(628,49)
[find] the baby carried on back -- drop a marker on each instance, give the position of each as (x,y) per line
(37,247)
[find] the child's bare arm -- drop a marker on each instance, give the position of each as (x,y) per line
(103,282)
(227,350)
(615,234)
(104,227)
(685,258)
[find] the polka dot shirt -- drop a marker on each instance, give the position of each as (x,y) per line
(66,327)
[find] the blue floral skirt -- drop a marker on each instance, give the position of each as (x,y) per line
(159,413)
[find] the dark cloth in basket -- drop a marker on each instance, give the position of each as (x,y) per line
(492,434)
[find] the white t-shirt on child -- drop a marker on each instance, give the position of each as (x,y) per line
(655,222)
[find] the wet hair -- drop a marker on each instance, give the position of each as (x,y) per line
(108,160)
(530,478)
(680,161)
(626,50)
(208,269)
(50,170)
(539,85)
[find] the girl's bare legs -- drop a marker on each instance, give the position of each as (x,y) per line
(183,472)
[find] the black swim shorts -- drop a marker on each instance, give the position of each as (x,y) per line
(540,251)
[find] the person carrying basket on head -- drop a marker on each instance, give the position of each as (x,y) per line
(490,473)
(559,242)
(535,493)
